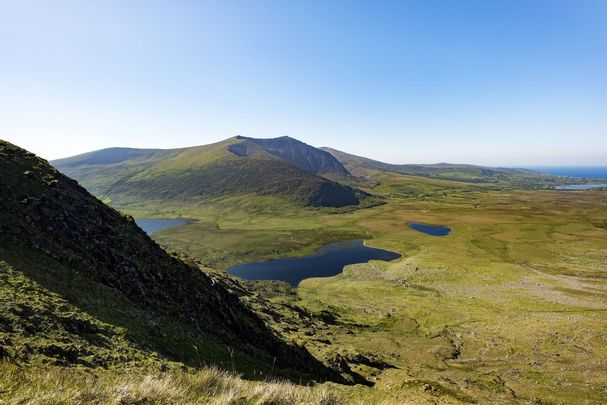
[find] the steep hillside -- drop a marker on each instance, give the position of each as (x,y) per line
(81,284)
(459,172)
(304,156)
(284,167)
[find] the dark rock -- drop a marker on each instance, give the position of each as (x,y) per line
(78,326)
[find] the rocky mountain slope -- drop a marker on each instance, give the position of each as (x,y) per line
(81,284)
(304,156)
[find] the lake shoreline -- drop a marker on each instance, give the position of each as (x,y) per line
(326,261)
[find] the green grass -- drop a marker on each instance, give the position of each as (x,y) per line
(504,177)
(81,284)
(248,228)
(205,173)
(518,290)
(511,307)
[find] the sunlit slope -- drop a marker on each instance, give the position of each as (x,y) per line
(282,167)
(360,166)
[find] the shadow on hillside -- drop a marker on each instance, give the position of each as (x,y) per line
(155,337)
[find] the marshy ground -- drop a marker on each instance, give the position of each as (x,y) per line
(511,306)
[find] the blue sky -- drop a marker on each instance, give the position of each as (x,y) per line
(488,82)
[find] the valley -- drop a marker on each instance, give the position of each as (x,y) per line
(510,306)
(303,202)
(502,309)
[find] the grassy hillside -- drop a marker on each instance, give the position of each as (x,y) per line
(282,168)
(81,284)
(360,166)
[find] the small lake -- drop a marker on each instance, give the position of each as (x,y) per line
(434,230)
(579,186)
(151,225)
(328,260)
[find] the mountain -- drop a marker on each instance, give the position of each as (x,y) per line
(359,166)
(281,167)
(304,156)
(81,283)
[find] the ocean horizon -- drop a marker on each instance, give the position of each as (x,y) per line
(594,172)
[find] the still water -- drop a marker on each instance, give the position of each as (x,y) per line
(580,186)
(151,225)
(328,260)
(434,230)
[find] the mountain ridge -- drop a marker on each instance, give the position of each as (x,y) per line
(280,167)
(447,171)
(302,155)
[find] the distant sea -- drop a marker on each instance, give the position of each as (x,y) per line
(595,172)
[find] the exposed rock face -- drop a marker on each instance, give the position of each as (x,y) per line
(304,156)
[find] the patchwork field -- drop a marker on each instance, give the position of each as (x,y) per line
(510,307)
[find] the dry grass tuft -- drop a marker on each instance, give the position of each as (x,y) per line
(56,385)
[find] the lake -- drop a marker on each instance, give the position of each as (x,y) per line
(579,186)
(434,230)
(328,260)
(151,225)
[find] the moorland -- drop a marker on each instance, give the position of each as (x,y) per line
(510,307)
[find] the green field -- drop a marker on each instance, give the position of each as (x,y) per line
(510,307)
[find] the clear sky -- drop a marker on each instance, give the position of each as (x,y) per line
(497,82)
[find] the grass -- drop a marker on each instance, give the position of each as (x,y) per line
(511,307)
(57,385)
(519,287)
(205,173)
(81,284)
(248,228)
(503,177)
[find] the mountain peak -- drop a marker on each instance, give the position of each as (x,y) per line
(282,167)
(302,155)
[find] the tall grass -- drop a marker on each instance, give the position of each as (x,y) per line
(57,385)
